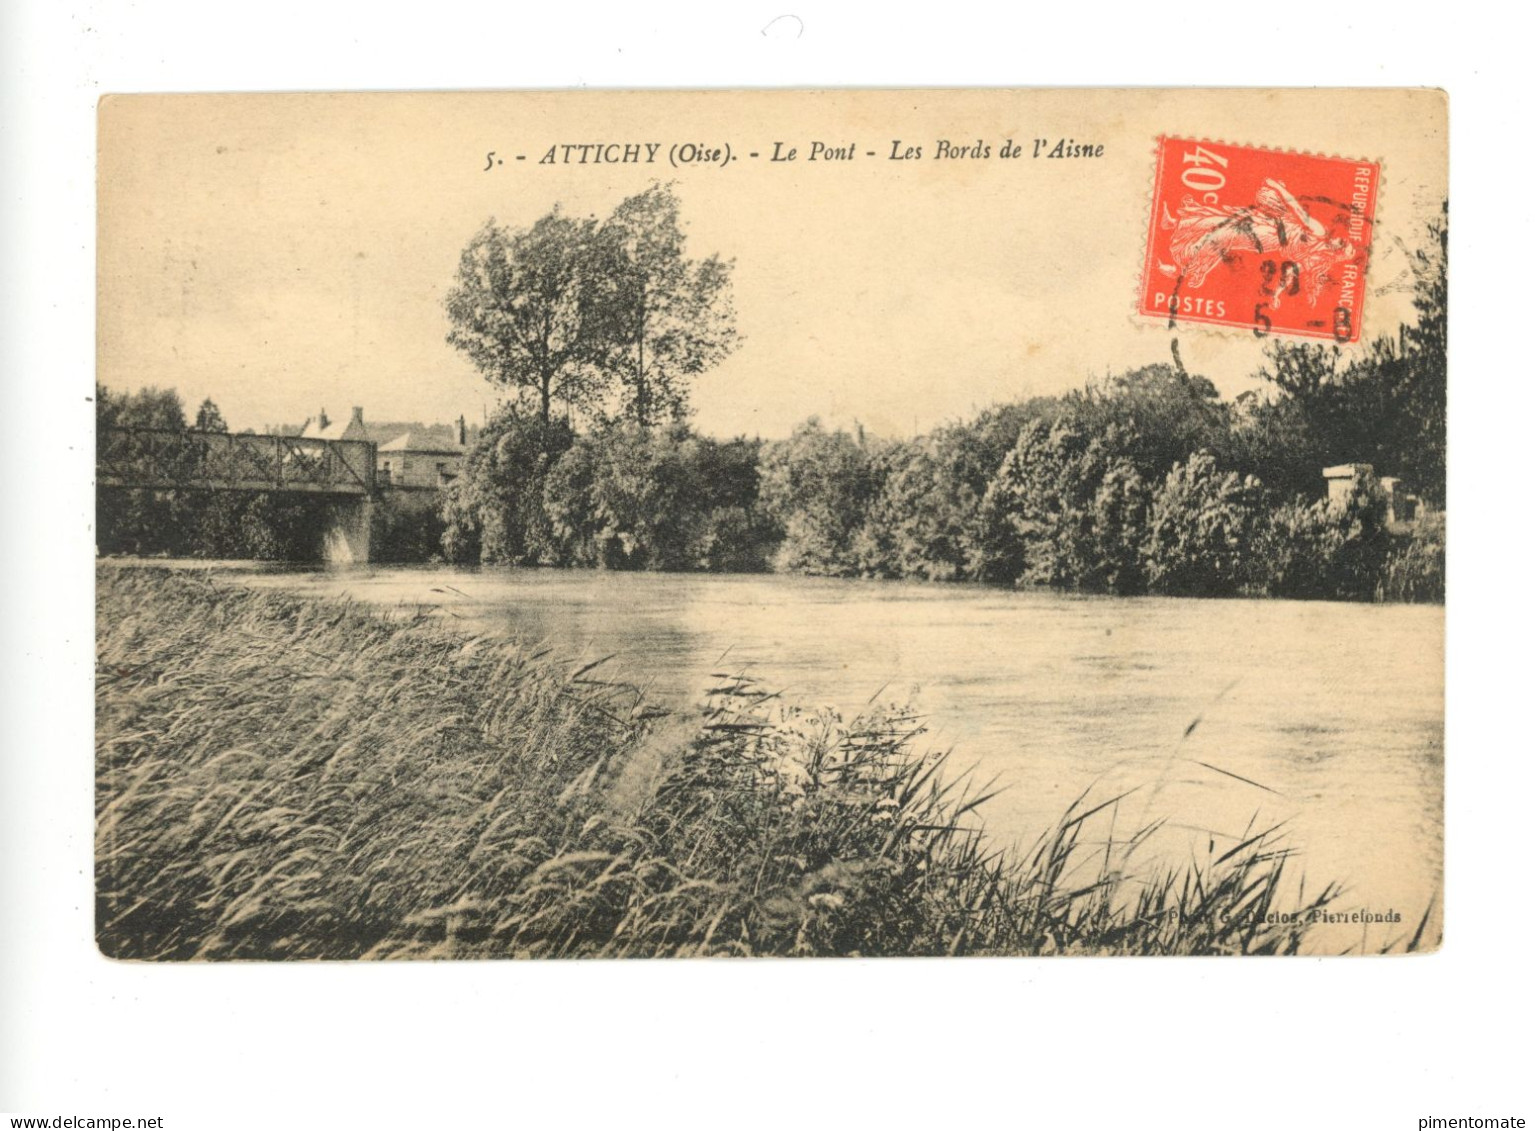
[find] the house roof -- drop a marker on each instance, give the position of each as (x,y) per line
(414,441)
(336,430)
(350,429)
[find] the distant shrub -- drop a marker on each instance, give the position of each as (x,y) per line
(818,487)
(1022,509)
(1296,549)
(1329,550)
(1414,567)
(914,524)
(633,498)
(1360,558)
(1120,516)
(277,528)
(210,524)
(407,526)
(1161,415)
(621,499)
(141,522)
(925,520)
(494,511)
(1065,509)
(736,539)
(1200,530)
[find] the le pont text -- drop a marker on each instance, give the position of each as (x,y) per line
(943,149)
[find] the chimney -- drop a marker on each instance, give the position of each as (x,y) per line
(463,432)
(324,421)
(356,414)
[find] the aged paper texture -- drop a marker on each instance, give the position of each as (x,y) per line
(880,522)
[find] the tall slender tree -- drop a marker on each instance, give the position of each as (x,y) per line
(525,310)
(667,318)
(209,418)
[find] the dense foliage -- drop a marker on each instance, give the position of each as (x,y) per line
(619,497)
(606,317)
(1144,481)
(197,524)
(1090,502)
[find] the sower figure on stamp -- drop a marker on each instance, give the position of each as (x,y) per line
(1275,224)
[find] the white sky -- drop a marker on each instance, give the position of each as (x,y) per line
(283,253)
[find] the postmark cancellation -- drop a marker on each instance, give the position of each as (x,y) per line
(1276,242)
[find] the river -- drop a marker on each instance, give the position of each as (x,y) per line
(1216,713)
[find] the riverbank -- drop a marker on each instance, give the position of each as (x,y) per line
(283,777)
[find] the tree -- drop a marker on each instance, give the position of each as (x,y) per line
(915,525)
(567,309)
(494,511)
(209,418)
(666,317)
(926,519)
(626,497)
(818,485)
(136,520)
(1385,407)
(1300,369)
(1427,373)
(525,310)
(1162,414)
(1202,527)
(1065,509)
(150,408)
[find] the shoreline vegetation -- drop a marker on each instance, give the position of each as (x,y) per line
(1141,481)
(280,777)
(1023,495)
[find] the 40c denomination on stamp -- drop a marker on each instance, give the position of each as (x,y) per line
(1264,240)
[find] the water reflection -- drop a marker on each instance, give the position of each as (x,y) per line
(1328,716)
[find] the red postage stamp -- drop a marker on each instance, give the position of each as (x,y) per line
(1259,239)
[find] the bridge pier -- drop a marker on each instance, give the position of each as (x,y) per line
(349,536)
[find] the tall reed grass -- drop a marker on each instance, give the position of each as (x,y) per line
(285,778)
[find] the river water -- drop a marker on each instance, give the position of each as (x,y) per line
(1327,716)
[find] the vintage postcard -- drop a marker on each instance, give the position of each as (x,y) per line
(771,523)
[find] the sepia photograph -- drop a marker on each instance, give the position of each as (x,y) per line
(948,505)
(776,523)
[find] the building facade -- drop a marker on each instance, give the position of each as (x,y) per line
(413,459)
(421,461)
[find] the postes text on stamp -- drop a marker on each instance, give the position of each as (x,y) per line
(1269,241)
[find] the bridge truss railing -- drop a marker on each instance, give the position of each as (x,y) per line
(169,459)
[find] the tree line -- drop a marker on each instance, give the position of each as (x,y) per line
(1143,482)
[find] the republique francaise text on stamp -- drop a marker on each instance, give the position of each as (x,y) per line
(1276,242)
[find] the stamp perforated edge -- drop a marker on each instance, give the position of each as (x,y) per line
(1146,322)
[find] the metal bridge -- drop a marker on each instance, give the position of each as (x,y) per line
(165,459)
(345,471)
